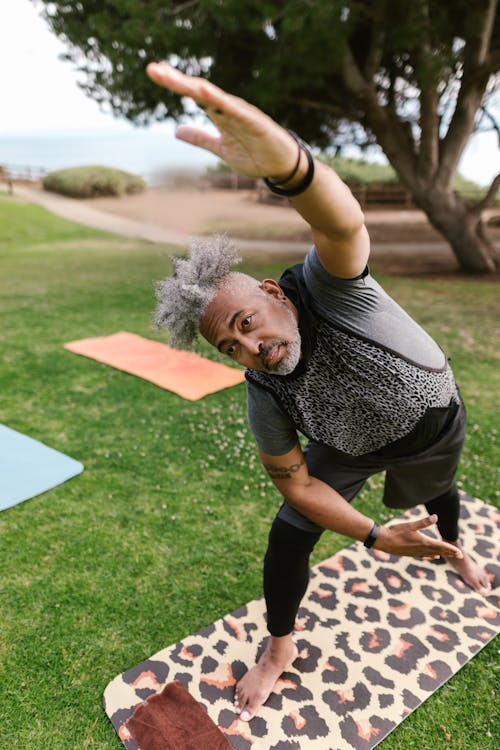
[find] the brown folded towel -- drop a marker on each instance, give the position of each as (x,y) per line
(174,720)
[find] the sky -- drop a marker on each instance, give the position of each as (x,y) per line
(39,91)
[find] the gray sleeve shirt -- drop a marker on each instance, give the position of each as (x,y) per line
(364,308)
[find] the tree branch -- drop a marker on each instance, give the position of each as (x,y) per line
(494,123)
(374,56)
(484,40)
(395,140)
(494,61)
(428,154)
(323,106)
(428,158)
(474,81)
(169,12)
(488,198)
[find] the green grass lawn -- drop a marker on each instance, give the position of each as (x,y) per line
(165,530)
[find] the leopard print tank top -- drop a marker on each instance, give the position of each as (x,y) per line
(357,396)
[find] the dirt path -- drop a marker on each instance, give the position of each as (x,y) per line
(403,242)
(196,211)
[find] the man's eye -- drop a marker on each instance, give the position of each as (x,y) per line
(246,321)
(230,351)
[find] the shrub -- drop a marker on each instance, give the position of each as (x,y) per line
(361,172)
(93,181)
(219,168)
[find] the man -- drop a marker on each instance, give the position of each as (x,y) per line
(329,354)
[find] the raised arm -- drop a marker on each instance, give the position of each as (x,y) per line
(323,505)
(252,143)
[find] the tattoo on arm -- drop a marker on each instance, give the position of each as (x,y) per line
(282,472)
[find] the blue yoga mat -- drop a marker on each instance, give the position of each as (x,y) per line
(28,468)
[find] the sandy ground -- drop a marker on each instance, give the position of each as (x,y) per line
(190,210)
(195,211)
(403,241)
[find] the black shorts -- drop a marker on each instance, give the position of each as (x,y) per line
(416,477)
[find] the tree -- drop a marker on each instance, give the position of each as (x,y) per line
(414,76)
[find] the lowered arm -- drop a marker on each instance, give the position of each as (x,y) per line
(326,507)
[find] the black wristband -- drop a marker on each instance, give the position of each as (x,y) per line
(306,180)
(372,536)
(296,167)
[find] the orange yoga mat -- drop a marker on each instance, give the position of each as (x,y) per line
(184,373)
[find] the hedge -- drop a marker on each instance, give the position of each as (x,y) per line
(93,181)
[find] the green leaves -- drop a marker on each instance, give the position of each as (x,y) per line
(287,57)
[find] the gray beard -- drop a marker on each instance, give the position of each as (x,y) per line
(290,361)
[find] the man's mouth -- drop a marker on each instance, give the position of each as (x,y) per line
(272,357)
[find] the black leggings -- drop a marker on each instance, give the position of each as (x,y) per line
(286,564)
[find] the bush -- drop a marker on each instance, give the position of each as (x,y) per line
(373,174)
(361,172)
(219,168)
(471,191)
(94,181)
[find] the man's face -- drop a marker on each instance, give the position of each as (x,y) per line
(256,327)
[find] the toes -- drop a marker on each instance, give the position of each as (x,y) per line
(482,586)
(485,587)
(245,708)
(239,701)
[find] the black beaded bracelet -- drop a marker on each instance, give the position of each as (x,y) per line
(275,188)
(296,167)
(372,536)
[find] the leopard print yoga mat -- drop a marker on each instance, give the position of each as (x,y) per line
(377,634)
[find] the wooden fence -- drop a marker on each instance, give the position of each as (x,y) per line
(22,172)
(367,195)
(229,181)
(389,196)
(382,195)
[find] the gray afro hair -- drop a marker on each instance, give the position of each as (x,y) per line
(184,296)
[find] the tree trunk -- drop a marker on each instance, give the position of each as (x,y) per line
(462,227)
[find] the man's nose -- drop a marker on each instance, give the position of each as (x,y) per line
(253,345)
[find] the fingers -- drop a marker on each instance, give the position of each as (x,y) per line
(204,93)
(424,523)
(408,539)
(436,548)
(198,137)
(219,106)
(450,550)
(170,78)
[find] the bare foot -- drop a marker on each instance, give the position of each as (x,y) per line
(470,572)
(255,686)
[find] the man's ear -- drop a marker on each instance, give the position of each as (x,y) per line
(270,286)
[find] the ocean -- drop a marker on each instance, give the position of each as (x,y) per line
(155,155)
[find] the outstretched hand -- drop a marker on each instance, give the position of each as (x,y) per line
(407,539)
(249,141)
